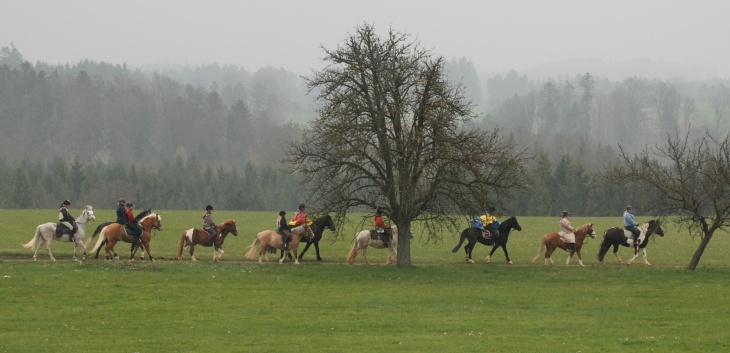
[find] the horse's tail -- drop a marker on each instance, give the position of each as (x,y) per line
(183,240)
(605,245)
(539,251)
(102,238)
(97,231)
(33,241)
(353,252)
(251,254)
(461,241)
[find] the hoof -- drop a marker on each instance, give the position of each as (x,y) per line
(470,261)
(510,263)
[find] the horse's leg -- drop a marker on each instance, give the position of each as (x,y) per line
(38,248)
(306,247)
(296,258)
(468,249)
(192,252)
(76,245)
(549,249)
(489,257)
(83,246)
(636,254)
(580,258)
(48,247)
(147,249)
(506,255)
(570,256)
(316,248)
(646,260)
(365,255)
(283,256)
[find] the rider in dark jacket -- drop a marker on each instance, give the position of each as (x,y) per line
(121,214)
(285,230)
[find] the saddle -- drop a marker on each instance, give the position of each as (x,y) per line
(386,236)
(62,229)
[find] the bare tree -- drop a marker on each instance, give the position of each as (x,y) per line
(391,132)
(692,180)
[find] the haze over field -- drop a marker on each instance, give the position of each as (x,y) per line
(613,39)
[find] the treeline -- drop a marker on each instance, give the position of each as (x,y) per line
(174,184)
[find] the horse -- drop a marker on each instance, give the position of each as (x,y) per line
(474,235)
(46,233)
(115,232)
(552,241)
(365,239)
(617,236)
(318,226)
(194,236)
(270,240)
(139,216)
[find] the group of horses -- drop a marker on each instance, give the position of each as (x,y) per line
(269,241)
(612,237)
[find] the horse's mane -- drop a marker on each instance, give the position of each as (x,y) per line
(226,222)
(584,227)
(152,214)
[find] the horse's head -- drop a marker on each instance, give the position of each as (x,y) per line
(229,226)
(88,214)
(327,221)
(654,226)
(153,221)
(591,232)
(511,223)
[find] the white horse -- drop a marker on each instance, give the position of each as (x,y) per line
(46,233)
(363,240)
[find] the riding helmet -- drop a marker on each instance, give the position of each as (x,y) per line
(66,202)
(129,204)
(121,200)
(301,205)
(209,208)
(281,213)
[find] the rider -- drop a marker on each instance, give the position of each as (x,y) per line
(566,231)
(132,223)
(300,217)
(67,220)
(382,228)
(630,224)
(208,224)
(284,229)
(488,221)
(120,211)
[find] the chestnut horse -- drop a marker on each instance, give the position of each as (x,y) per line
(618,236)
(195,236)
(138,217)
(552,241)
(270,240)
(365,239)
(115,232)
(46,233)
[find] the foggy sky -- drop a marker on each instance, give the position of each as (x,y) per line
(494,35)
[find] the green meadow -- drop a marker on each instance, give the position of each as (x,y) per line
(442,304)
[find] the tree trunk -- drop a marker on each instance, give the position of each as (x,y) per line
(698,253)
(403,259)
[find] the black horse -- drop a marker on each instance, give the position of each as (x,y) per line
(141,215)
(616,236)
(474,235)
(318,226)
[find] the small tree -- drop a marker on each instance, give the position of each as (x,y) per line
(692,180)
(391,131)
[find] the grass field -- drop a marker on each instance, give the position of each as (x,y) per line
(440,305)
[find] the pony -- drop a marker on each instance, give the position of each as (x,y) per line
(46,233)
(474,235)
(318,226)
(270,240)
(115,232)
(365,239)
(552,241)
(194,236)
(139,216)
(618,236)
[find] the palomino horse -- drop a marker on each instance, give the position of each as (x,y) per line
(365,239)
(115,232)
(195,236)
(552,241)
(46,233)
(318,226)
(617,236)
(270,240)
(474,235)
(138,217)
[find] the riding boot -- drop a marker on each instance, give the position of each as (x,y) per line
(569,247)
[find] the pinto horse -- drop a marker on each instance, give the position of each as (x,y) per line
(365,239)
(618,236)
(552,241)
(138,217)
(474,235)
(318,227)
(115,232)
(195,236)
(46,233)
(270,240)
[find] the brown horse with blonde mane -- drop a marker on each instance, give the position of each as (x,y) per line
(552,241)
(195,236)
(270,240)
(115,232)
